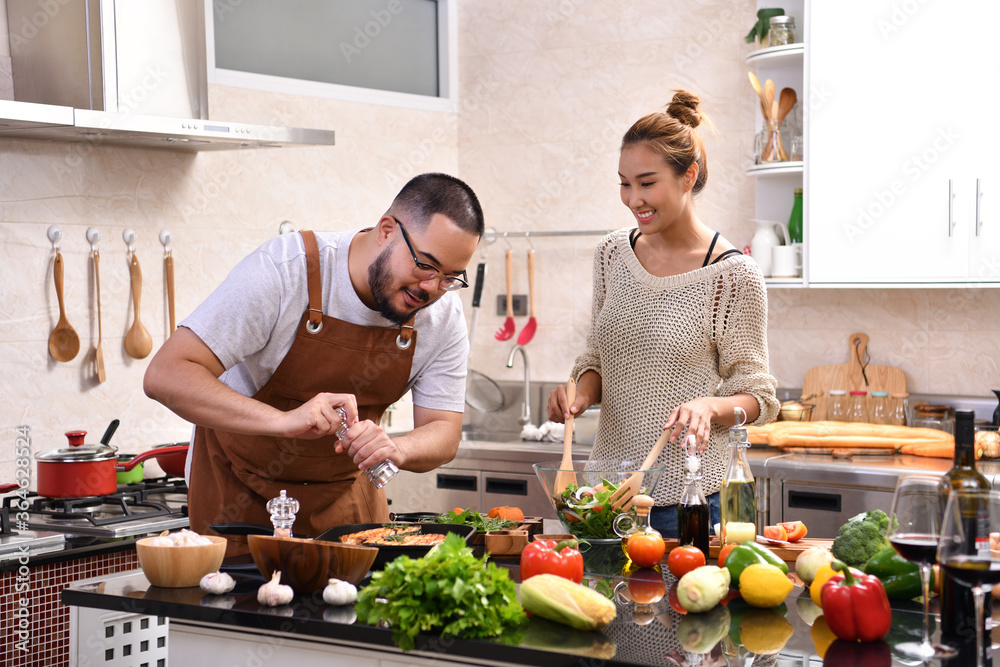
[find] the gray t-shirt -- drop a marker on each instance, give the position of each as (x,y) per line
(250,320)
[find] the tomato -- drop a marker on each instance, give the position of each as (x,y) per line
(725,552)
(550,557)
(645,549)
(646,586)
(458,510)
(675,602)
(796,530)
(684,559)
(775,533)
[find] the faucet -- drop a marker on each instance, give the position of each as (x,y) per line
(526,405)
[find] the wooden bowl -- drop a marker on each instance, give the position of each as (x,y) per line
(179,566)
(307,565)
(506,542)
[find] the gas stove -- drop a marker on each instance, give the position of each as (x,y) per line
(151,506)
(17,544)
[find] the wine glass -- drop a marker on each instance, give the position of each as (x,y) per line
(964,548)
(914,527)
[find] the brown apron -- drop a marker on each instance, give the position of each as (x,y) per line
(233,476)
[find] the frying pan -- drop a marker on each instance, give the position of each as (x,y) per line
(481,392)
(385,553)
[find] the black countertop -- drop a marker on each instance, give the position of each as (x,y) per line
(645,635)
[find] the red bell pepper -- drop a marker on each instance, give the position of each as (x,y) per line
(857,654)
(562,559)
(856,606)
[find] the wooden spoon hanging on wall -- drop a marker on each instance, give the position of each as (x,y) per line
(138,342)
(64,343)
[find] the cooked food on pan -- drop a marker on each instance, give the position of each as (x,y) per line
(393,535)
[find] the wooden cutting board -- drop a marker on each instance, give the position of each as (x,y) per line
(850,377)
(786,552)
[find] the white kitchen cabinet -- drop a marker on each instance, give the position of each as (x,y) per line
(775,182)
(900,130)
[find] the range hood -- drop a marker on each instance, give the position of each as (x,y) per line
(123,72)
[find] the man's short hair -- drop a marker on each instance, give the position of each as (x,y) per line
(427,194)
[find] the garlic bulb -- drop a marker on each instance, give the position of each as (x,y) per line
(217,583)
(339,592)
(274,593)
(182,538)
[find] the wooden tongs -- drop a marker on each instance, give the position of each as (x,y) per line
(621,499)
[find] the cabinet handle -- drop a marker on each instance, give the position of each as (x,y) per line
(809,500)
(458,482)
(979,196)
(506,487)
(951,201)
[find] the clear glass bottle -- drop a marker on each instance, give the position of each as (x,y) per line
(857,410)
(897,409)
(880,407)
(739,490)
(781,31)
(282,510)
(692,511)
(837,407)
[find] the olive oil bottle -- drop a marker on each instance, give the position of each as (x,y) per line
(739,490)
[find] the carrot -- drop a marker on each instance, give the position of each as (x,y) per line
(506,512)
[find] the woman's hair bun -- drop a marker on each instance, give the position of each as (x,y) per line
(684,107)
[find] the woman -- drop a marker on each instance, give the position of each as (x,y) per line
(678,336)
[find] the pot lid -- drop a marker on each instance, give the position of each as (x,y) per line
(77,451)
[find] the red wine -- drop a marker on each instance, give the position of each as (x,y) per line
(973,570)
(916,547)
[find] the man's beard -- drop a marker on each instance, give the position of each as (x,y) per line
(380,282)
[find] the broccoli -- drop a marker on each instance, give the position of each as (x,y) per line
(861,538)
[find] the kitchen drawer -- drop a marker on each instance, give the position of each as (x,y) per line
(517,490)
(825,508)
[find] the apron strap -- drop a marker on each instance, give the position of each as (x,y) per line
(314,281)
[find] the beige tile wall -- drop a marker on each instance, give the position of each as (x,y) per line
(547,90)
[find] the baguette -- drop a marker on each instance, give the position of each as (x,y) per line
(848,434)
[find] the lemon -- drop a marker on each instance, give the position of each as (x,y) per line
(764,631)
(764,585)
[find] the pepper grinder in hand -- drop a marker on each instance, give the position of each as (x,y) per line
(380,473)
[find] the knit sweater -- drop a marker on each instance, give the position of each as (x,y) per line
(658,342)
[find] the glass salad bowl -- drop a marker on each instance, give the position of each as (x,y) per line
(583,506)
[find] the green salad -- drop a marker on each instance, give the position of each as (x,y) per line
(482,522)
(587,510)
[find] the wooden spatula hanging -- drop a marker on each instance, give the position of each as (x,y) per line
(856,375)
(506,330)
(99,352)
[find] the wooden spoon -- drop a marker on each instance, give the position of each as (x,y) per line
(768,93)
(786,101)
(64,343)
(99,352)
(566,475)
(755,82)
(138,342)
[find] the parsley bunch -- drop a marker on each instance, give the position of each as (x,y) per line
(482,522)
(448,591)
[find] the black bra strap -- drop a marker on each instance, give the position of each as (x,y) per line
(728,253)
(710,249)
(633,236)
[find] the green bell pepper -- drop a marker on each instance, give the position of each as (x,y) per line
(747,554)
(899,577)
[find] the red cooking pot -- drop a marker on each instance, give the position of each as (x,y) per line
(171,458)
(77,470)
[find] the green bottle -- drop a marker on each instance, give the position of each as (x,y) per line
(795,219)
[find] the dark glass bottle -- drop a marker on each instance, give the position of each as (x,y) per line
(957,603)
(692,511)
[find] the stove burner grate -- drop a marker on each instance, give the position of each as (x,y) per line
(132,501)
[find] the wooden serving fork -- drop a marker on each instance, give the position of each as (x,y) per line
(621,499)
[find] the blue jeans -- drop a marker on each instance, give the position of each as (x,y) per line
(664,517)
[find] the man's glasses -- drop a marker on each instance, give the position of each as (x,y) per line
(428,272)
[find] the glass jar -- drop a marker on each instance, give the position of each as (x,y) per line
(897,409)
(880,407)
(940,417)
(837,409)
(857,410)
(782,31)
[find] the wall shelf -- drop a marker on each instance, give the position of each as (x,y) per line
(775,168)
(792,53)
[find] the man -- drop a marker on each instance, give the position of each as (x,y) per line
(309,325)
